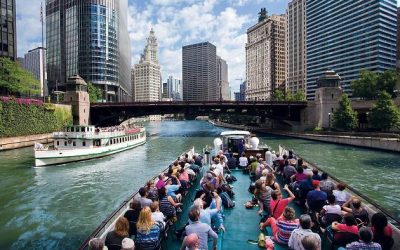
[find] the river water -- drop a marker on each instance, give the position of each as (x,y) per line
(57,207)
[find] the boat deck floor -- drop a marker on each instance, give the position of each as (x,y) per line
(241,224)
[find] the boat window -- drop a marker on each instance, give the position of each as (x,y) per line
(83,129)
(65,143)
(68,129)
(72,129)
(58,143)
(84,144)
(74,143)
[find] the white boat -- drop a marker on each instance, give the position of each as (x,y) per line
(78,143)
(238,141)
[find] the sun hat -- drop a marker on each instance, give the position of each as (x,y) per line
(127,243)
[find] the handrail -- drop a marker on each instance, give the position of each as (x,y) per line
(355,191)
(115,212)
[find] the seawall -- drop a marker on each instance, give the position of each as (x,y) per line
(24,141)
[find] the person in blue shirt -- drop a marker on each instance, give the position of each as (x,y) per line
(316,198)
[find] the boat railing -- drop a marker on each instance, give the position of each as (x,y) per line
(91,135)
(107,223)
(392,218)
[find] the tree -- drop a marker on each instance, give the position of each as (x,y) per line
(370,84)
(95,93)
(299,96)
(16,80)
(279,95)
(345,118)
(384,114)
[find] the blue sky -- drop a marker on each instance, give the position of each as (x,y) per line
(176,23)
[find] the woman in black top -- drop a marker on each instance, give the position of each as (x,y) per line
(132,215)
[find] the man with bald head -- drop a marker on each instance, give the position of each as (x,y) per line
(191,242)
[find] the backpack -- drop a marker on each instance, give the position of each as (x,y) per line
(228,178)
(226,188)
(252,188)
(226,200)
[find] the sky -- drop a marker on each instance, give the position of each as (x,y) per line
(176,23)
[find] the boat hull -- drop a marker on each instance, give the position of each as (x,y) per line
(54,157)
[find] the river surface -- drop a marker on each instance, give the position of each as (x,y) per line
(57,207)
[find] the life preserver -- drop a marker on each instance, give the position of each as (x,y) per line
(69,141)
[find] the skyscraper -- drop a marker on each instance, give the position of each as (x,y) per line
(147,74)
(296,46)
(8,37)
(35,62)
(265,56)
(398,39)
(349,36)
(89,38)
(222,79)
(172,89)
(199,72)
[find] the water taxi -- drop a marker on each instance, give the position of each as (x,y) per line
(78,143)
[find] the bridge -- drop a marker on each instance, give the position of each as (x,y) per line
(109,114)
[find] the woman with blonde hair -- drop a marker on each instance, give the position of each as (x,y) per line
(148,231)
(270,181)
(115,237)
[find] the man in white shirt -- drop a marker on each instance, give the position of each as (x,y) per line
(268,158)
(243,161)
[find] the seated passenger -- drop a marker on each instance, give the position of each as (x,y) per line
(232,161)
(132,215)
(270,182)
(128,244)
(243,161)
(96,244)
(365,242)
(207,213)
(299,176)
(315,175)
(360,213)
(149,232)
(156,215)
(326,185)
(167,205)
(202,230)
(340,233)
(114,238)
(283,227)
(277,204)
(331,212)
(184,178)
(144,201)
(341,195)
(305,230)
(190,242)
(288,171)
(316,199)
(309,243)
(263,195)
(382,231)
(152,191)
(160,182)
(173,188)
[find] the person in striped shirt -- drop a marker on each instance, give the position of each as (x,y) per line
(283,226)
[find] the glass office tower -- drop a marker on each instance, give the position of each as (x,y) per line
(89,38)
(348,36)
(8,40)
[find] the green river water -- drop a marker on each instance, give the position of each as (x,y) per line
(57,207)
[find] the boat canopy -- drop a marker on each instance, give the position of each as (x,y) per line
(235,132)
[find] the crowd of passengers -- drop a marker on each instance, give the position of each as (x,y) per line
(328,210)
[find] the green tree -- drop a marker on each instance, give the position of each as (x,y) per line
(279,95)
(384,114)
(345,118)
(299,96)
(16,80)
(95,93)
(366,85)
(370,84)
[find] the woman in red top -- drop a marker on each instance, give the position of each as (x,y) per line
(277,205)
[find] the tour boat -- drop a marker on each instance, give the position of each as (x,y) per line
(78,143)
(238,141)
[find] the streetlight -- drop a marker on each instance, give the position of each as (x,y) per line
(329,120)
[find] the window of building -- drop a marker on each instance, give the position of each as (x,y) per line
(83,144)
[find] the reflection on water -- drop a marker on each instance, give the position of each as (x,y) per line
(58,206)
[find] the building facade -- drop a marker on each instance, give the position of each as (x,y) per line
(222,79)
(89,38)
(8,32)
(349,36)
(398,39)
(35,62)
(296,67)
(172,89)
(199,72)
(147,73)
(241,95)
(265,57)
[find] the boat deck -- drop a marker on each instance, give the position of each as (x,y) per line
(241,224)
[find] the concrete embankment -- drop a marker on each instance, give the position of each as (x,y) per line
(24,141)
(382,143)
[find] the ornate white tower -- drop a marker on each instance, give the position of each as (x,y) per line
(147,73)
